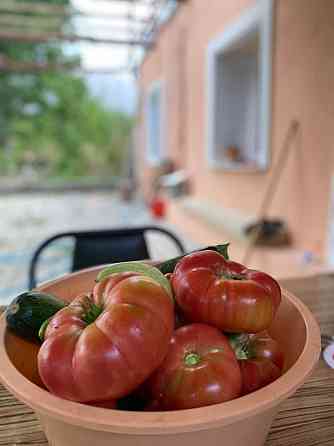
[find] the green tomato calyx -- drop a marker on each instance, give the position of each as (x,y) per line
(192,359)
(232,276)
(240,345)
(92,313)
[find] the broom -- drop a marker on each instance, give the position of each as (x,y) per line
(290,137)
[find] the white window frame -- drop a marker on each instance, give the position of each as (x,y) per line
(154,158)
(330,229)
(258,18)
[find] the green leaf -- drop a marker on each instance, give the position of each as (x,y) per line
(42,330)
(221,249)
(169,265)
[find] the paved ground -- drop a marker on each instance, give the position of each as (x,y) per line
(26,220)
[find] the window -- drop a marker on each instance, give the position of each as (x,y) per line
(154,121)
(239,91)
(330,243)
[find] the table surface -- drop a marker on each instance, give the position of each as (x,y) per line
(305,419)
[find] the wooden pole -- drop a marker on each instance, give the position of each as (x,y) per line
(273,184)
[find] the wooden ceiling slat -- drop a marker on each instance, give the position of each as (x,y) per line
(24,37)
(52,11)
(12,66)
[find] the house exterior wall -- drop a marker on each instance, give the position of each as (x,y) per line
(163,64)
(303,82)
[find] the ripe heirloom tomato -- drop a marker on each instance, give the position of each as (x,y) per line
(103,346)
(200,369)
(260,358)
(225,294)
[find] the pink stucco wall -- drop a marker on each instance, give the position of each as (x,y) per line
(303,85)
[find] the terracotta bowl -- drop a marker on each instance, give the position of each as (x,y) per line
(244,421)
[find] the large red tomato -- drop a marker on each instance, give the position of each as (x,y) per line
(225,294)
(101,347)
(260,357)
(200,369)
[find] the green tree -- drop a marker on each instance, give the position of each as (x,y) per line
(51,119)
(15,91)
(70,131)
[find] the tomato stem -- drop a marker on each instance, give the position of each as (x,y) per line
(233,276)
(192,359)
(240,345)
(92,314)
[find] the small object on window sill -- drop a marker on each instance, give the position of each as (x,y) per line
(234,154)
(245,166)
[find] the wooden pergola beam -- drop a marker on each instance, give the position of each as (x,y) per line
(24,37)
(11,66)
(19,21)
(35,8)
(53,11)
(152,24)
(37,69)
(34,26)
(137,2)
(8,65)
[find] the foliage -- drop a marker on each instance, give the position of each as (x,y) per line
(51,121)
(68,132)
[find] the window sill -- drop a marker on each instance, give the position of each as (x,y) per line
(235,167)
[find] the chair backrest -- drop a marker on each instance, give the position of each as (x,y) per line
(93,248)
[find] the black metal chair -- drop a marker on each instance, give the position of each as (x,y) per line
(92,248)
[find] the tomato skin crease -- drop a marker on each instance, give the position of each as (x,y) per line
(111,356)
(260,358)
(227,295)
(200,369)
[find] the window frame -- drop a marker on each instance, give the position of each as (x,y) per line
(256,19)
(153,157)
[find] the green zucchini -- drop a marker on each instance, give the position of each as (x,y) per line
(169,265)
(28,311)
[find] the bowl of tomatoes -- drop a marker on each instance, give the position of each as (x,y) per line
(203,351)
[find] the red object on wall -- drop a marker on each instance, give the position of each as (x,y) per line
(158,207)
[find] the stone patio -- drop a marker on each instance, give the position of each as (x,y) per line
(27,219)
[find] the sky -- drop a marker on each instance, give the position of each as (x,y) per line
(101,55)
(117,91)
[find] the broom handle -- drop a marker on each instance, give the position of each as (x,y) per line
(269,195)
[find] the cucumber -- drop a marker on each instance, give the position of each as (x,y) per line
(28,311)
(169,265)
